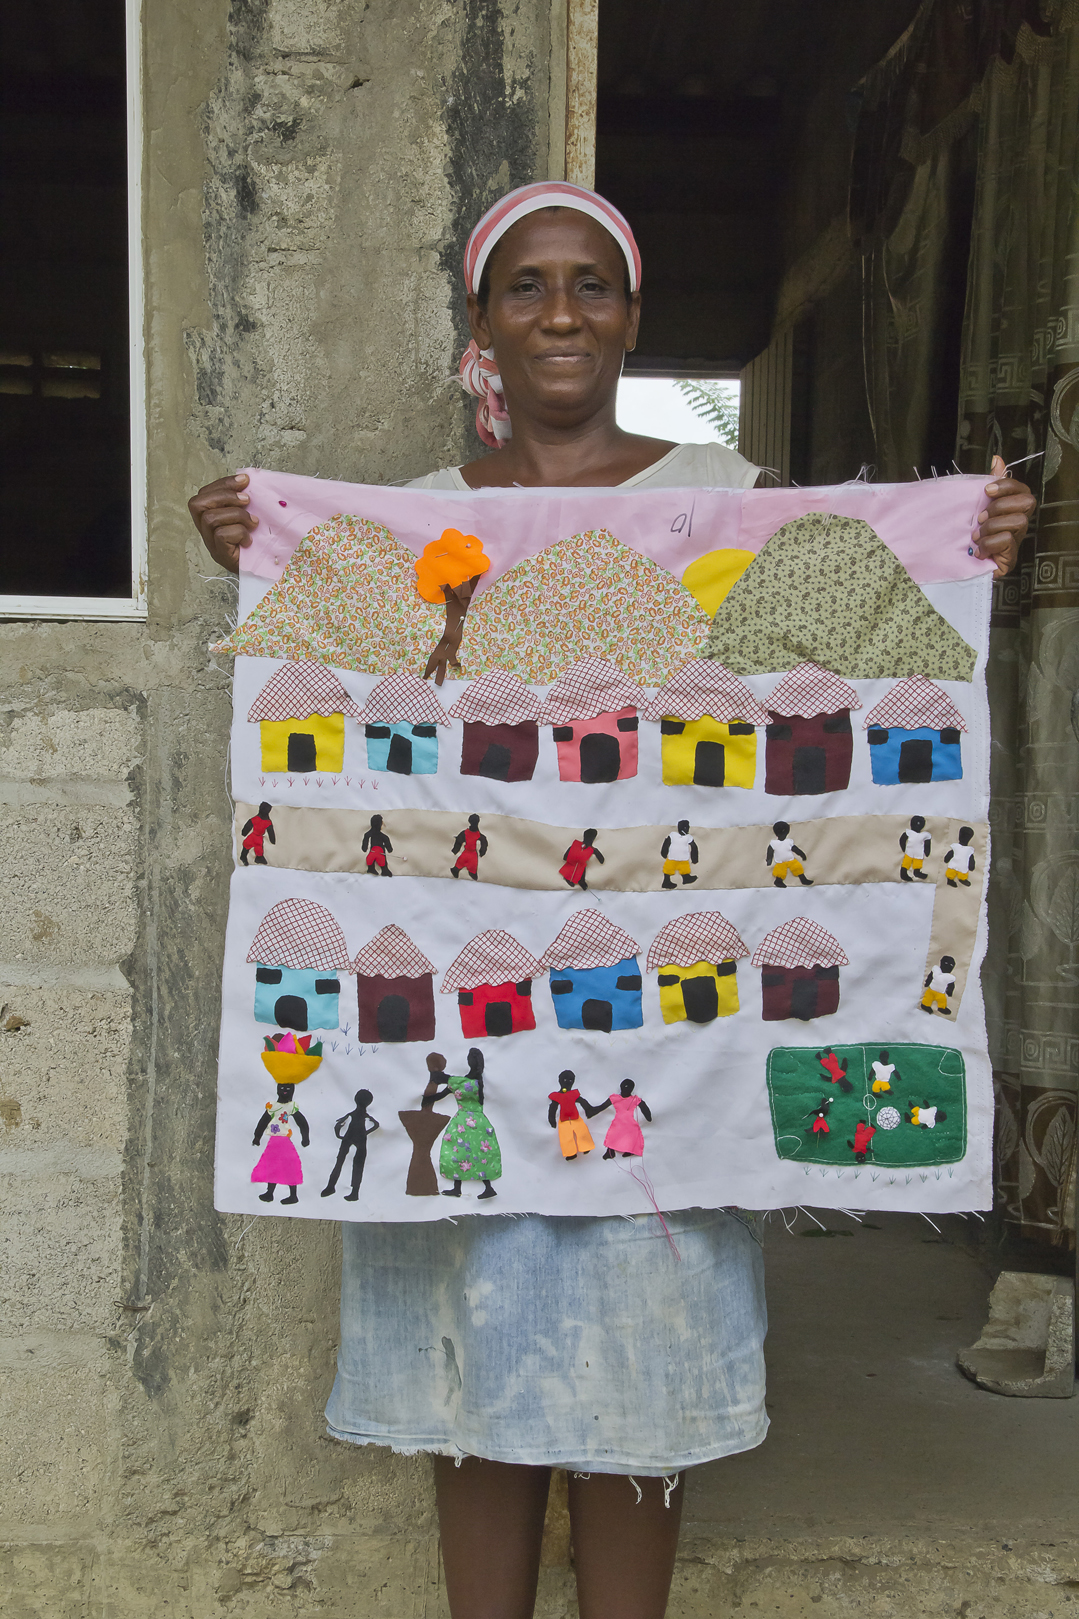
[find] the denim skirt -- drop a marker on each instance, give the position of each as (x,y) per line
(589,1344)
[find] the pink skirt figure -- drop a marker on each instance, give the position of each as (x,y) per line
(625,1134)
(280,1164)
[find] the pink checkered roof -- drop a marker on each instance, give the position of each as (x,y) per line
(299,934)
(494,957)
(295,691)
(800,943)
(916,703)
(391,954)
(589,687)
(700,936)
(403,699)
(588,940)
(810,690)
(496,698)
(706,687)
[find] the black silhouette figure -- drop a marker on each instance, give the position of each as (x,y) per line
(917,846)
(577,856)
(280,1154)
(376,846)
(626,1088)
(677,851)
(260,827)
(960,858)
(352,1130)
(469,846)
(784,855)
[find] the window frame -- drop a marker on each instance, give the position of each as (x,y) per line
(132,608)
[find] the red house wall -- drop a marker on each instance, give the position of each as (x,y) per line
(515,998)
(808,755)
(587,749)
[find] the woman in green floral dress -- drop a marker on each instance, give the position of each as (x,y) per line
(470,1150)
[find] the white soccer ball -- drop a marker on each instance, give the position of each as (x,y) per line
(888,1118)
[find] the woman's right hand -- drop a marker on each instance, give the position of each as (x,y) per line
(219,512)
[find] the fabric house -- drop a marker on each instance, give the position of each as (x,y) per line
(394,989)
(401,719)
(799,964)
(299,952)
(809,743)
(301,710)
(696,957)
(593,710)
(500,716)
(492,979)
(595,975)
(914,735)
(708,721)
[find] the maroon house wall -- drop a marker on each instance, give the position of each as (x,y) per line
(413,1020)
(485,749)
(801,992)
(808,755)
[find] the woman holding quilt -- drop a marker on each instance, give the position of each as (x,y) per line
(566,1342)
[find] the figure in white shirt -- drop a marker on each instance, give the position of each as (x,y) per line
(916,845)
(959,861)
(883,1074)
(785,857)
(679,852)
(939,987)
(926,1117)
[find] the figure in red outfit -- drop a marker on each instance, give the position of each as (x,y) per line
(376,846)
(819,1115)
(577,857)
(863,1135)
(254,833)
(469,846)
(836,1070)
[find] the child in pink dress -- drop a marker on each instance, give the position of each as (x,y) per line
(625,1134)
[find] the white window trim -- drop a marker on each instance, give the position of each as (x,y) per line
(131,607)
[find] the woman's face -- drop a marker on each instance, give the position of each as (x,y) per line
(557,316)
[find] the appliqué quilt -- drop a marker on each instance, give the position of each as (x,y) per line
(672,894)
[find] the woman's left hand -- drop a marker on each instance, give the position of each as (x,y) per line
(1003,523)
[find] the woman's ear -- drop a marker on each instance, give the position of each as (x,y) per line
(478,323)
(634,321)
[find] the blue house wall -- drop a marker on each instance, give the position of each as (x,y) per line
(296,999)
(406,750)
(913,756)
(601,999)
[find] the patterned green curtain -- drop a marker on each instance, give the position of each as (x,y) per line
(1019,393)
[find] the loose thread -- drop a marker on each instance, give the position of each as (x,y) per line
(650,1193)
(669,1487)
(637,1487)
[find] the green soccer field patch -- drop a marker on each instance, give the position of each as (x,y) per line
(926,1077)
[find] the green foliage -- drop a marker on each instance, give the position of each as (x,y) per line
(714,403)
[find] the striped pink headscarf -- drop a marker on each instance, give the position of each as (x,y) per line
(479,372)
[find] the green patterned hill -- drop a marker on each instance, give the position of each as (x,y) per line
(828,590)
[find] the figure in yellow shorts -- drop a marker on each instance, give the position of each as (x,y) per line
(916,845)
(884,1071)
(785,857)
(959,861)
(939,987)
(573,1134)
(679,852)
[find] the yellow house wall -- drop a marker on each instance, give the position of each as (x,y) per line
(327,730)
(671,1003)
(740,759)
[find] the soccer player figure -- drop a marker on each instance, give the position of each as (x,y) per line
(863,1137)
(916,845)
(469,846)
(836,1070)
(959,861)
(255,832)
(376,846)
(352,1130)
(785,857)
(884,1071)
(939,987)
(819,1115)
(678,853)
(926,1117)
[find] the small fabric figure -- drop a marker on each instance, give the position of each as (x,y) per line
(469,846)
(470,1149)
(573,1134)
(916,845)
(352,1130)
(819,1115)
(624,1135)
(678,852)
(959,860)
(883,1074)
(939,985)
(836,1070)
(785,857)
(376,846)
(577,856)
(280,1163)
(255,832)
(926,1117)
(863,1136)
